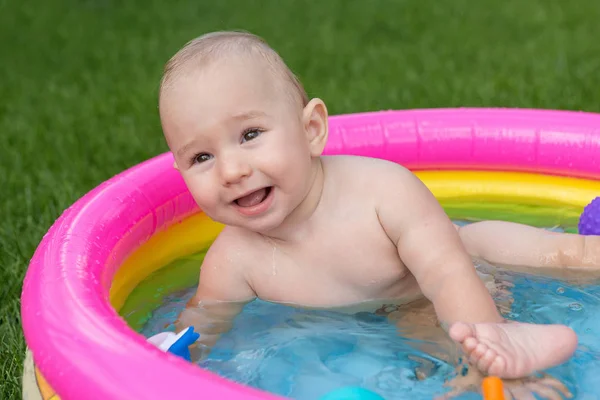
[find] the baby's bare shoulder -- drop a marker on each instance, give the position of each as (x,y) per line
(231,248)
(395,192)
(366,172)
(223,274)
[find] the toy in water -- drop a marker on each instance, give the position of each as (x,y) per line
(493,388)
(351,393)
(176,343)
(589,221)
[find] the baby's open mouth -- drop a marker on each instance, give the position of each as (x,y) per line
(254,198)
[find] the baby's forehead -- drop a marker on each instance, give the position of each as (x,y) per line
(229,59)
(234,79)
(226,95)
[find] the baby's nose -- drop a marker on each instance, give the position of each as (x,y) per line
(233,170)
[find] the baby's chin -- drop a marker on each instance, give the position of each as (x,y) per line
(262,225)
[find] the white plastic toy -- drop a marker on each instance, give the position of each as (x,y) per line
(176,343)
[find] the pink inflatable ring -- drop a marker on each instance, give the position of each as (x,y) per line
(83,349)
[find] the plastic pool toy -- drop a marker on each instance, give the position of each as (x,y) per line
(177,344)
(589,222)
(532,166)
(493,388)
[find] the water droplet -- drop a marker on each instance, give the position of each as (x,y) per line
(575,306)
(560,290)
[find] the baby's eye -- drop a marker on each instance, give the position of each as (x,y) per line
(200,158)
(251,134)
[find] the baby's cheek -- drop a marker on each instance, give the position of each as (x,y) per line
(204,200)
(205,196)
(295,158)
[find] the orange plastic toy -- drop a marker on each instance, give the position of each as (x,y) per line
(493,389)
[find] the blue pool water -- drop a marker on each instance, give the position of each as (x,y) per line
(304,354)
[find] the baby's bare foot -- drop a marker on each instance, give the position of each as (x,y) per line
(514,350)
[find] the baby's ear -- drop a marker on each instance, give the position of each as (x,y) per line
(315,125)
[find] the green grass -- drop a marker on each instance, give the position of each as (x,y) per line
(78,83)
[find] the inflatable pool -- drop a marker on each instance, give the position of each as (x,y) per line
(532,166)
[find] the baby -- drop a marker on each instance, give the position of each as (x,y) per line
(316,231)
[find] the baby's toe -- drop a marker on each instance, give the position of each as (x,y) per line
(470,344)
(477,353)
(498,366)
(460,332)
(486,360)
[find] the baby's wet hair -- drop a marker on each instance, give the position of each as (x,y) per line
(215,45)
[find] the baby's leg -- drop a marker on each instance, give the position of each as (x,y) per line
(509,350)
(514,350)
(418,322)
(512,244)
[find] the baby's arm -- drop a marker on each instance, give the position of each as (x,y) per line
(432,250)
(222,293)
(512,244)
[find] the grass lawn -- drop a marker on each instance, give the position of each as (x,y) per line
(78,83)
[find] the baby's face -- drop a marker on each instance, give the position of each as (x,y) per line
(239,142)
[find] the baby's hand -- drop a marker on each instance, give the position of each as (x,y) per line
(544,385)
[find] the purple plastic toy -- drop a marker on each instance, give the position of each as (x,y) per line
(589,221)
